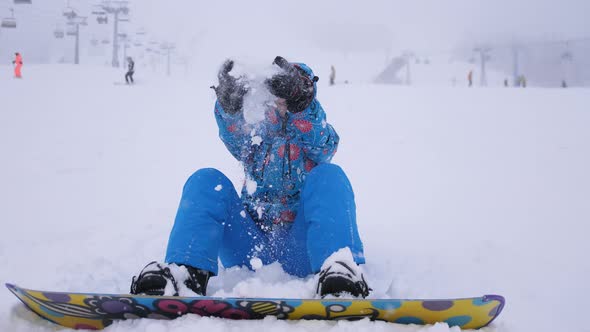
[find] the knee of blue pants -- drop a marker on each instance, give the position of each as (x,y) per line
(327,173)
(330,215)
(205,177)
(198,228)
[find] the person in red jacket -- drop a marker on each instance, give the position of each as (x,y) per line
(18,64)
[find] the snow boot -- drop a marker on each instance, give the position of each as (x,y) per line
(339,276)
(167,279)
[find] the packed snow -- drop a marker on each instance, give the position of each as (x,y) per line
(460,192)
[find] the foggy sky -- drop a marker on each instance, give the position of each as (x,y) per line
(256,27)
(432,24)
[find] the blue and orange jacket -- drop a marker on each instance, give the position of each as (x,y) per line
(277,154)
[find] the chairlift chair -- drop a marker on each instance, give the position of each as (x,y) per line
(59,34)
(9,22)
(70,14)
(102,19)
(22,2)
(124,18)
(71,32)
(105,42)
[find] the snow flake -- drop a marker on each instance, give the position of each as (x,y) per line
(259,211)
(256,263)
(251,186)
(256,140)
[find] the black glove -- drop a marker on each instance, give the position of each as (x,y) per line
(230,91)
(292,84)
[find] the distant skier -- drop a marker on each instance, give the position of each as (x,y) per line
(130,70)
(295,208)
(522,81)
(332,75)
(18,64)
(470,78)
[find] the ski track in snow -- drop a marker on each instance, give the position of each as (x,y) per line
(460,192)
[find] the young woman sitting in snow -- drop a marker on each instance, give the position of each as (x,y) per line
(296,208)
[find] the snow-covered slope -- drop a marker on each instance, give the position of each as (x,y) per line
(460,192)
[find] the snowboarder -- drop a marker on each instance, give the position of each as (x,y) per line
(332,75)
(130,70)
(296,208)
(470,78)
(18,64)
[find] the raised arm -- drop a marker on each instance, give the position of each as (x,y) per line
(228,111)
(307,123)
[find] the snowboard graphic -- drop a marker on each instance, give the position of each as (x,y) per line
(96,311)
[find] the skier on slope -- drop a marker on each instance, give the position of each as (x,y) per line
(18,64)
(301,213)
(130,70)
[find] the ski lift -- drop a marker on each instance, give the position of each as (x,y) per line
(70,13)
(71,31)
(124,18)
(58,33)
(140,32)
(105,42)
(22,2)
(567,56)
(102,19)
(122,35)
(137,44)
(9,22)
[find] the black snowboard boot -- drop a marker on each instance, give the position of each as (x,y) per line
(156,277)
(340,278)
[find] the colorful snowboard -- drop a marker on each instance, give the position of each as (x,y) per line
(96,311)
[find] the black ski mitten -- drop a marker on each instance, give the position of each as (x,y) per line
(292,84)
(231,90)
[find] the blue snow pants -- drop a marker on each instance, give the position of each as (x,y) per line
(212,223)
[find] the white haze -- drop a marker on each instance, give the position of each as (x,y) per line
(206,30)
